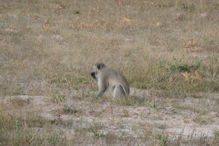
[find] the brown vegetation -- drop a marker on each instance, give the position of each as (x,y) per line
(169,48)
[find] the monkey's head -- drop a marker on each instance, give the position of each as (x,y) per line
(96,69)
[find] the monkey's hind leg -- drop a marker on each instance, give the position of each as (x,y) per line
(118,92)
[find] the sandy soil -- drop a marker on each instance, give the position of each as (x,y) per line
(172,117)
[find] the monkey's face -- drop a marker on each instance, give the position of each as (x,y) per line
(94,72)
(96,69)
(93,75)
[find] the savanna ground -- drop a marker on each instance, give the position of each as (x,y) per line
(167,49)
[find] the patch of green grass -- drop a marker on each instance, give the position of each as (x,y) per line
(97,134)
(77,12)
(65,80)
(14,89)
(89,95)
(200,120)
(216,134)
(204,112)
(16,130)
(173,78)
(217,100)
(188,6)
(178,65)
(31,120)
(162,126)
(95,129)
(69,110)
(57,138)
(165,3)
(58,98)
(162,139)
(184,88)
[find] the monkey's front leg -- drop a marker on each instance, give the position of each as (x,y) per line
(101,88)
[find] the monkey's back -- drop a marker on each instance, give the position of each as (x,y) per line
(115,77)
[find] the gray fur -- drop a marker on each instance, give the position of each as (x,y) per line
(108,78)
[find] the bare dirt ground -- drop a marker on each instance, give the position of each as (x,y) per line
(174,118)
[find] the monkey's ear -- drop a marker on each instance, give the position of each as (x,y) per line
(100,65)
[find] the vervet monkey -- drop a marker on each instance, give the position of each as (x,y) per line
(109,79)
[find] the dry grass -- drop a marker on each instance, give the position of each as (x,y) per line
(28,130)
(169,47)
(45,45)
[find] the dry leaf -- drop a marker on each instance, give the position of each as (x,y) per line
(185,75)
(127,19)
(58,7)
(191,43)
(46,25)
(196,76)
(158,24)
